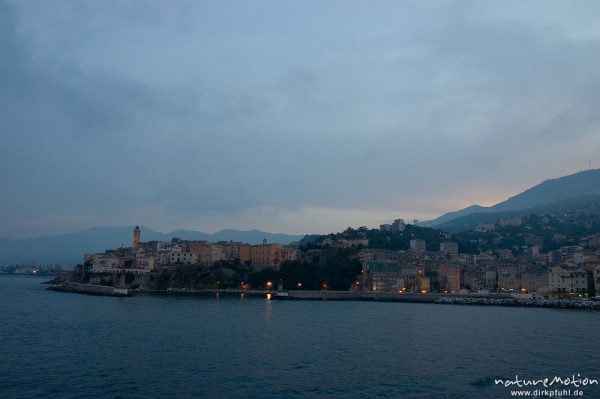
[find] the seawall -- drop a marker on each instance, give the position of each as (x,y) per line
(88,289)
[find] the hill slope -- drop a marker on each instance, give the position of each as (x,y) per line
(551,191)
(587,204)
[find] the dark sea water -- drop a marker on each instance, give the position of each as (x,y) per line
(59,345)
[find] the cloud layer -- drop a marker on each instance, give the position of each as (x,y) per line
(287,116)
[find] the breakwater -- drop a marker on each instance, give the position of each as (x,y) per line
(88,289)
(357,296)
(447,299)
(325,295)
(530,303)
(232,292)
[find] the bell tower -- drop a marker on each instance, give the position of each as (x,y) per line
(137,232)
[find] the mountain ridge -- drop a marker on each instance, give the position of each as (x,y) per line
(70,247)
(547,192)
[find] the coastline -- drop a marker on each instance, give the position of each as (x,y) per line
(443,299)
(505,300)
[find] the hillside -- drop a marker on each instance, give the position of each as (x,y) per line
(550,230)
(588,203)
(553,191)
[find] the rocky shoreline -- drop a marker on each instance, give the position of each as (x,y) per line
(530,303)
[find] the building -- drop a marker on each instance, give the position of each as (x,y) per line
(266,255)
(423,283)
(449,278)
(383,276)
(570,249)
(144,261)
(103,261)
(367,255)
(485,227)
(231,250)
(504,253)
(508,278)
(491,278)
(398,225)
(474,280)
(245,254)
(178,256)
(572,254)
(387,281)
(563,281)
(596,277)
(385,227)
(532,280)
(203,251)
(483,258)
(417,245)
(556,257)
(449,248)
(534,251)
(514,222)
(216,253)
(345,243)
(290,254)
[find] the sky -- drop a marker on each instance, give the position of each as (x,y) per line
(287,116)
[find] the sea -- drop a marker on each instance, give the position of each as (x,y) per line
(62,345)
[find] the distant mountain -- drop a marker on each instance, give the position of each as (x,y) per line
(69,248)
(446,217)
(553,191)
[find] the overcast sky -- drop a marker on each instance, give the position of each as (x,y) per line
(288,116)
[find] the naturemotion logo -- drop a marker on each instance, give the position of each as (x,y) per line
(536,388)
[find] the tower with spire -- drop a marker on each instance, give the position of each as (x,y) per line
(137,232)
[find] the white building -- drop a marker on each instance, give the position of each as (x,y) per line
(567,281)
(398,225)
(417,245)
(449,248)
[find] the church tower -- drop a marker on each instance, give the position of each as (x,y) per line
(137,232)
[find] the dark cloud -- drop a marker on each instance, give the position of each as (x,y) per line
(207,115)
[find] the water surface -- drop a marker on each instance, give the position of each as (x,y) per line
(59,345)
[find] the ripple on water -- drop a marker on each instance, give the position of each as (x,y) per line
(58,345)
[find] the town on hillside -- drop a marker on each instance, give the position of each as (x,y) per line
(550,256)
